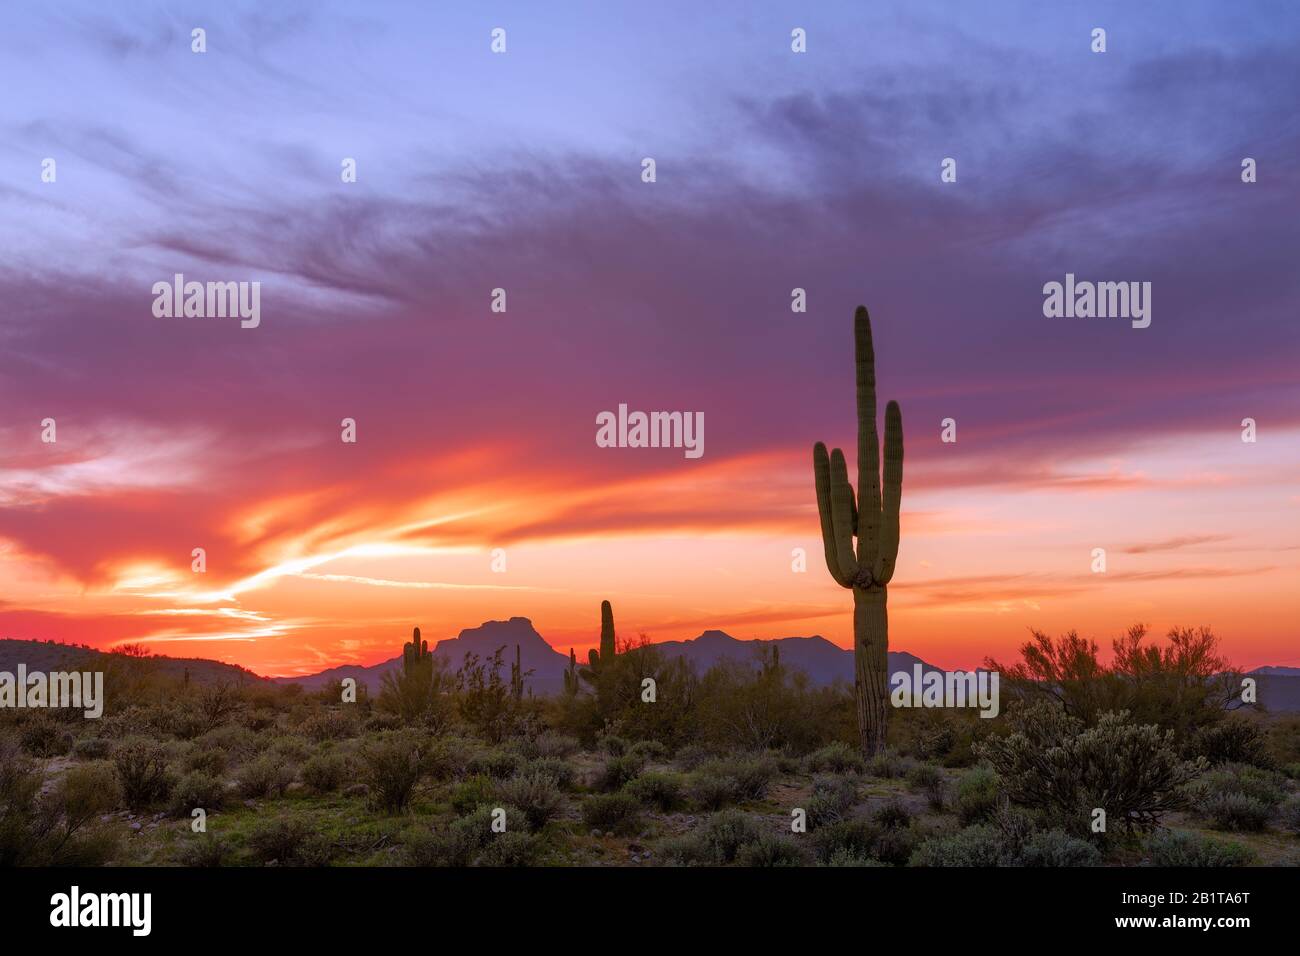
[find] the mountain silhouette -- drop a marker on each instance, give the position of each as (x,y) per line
(822,661)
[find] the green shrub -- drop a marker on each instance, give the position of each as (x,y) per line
(142,772)
(1289,815)
(894,845)
(980,845)
(930,780)
(831,800)
(835,757)
(709,791)
(289,749)
(1185,848)
(329,724)
(887,765)
(92,748)
(196,790)
(753,775)
(467,840)
(767,849)
(692,756)
(619,812)
(724,834)
(325,773)
(472,793)
(1055,764)
(1236,812)
(845,857)
(470,834)
(264,777)
(1232,740)
(663,791)
(537,795)
(649,750)
(446,758)
(512,848)
(288,841)
(977,796)
(612,745)
(852,837)
(546,745)
(750,776)
(54,829)
(892,813)
(202,850)
(617,771)
(497,763)
(1057,848)
(42,736)
(560,771)
(392,765)
(1266,786)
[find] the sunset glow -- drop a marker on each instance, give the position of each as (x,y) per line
(476,431)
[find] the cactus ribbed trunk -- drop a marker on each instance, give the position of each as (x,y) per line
(872,518)
(871,667)
(607,649)
(608,646)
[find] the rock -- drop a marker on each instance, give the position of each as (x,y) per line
(137,826)
(596,833)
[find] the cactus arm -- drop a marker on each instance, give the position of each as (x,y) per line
(842,515)
(822,481)
(893,494)
(868,441)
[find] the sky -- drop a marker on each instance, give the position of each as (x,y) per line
(522,170)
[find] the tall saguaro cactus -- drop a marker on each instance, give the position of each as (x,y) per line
(607,645)
(873,518)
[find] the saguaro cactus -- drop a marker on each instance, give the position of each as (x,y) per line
(571,674)
(517,677)
(415,654)
(873,518)
(607,648)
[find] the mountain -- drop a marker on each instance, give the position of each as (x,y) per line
(47,656)
(1277,671)
(546,663)
(823,662)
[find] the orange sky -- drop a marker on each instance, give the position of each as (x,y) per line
(327,576)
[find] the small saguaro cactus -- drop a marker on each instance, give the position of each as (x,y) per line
(415,653)
(571,674)
(873,518)
(607,647)
(771,663)
(517,677)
